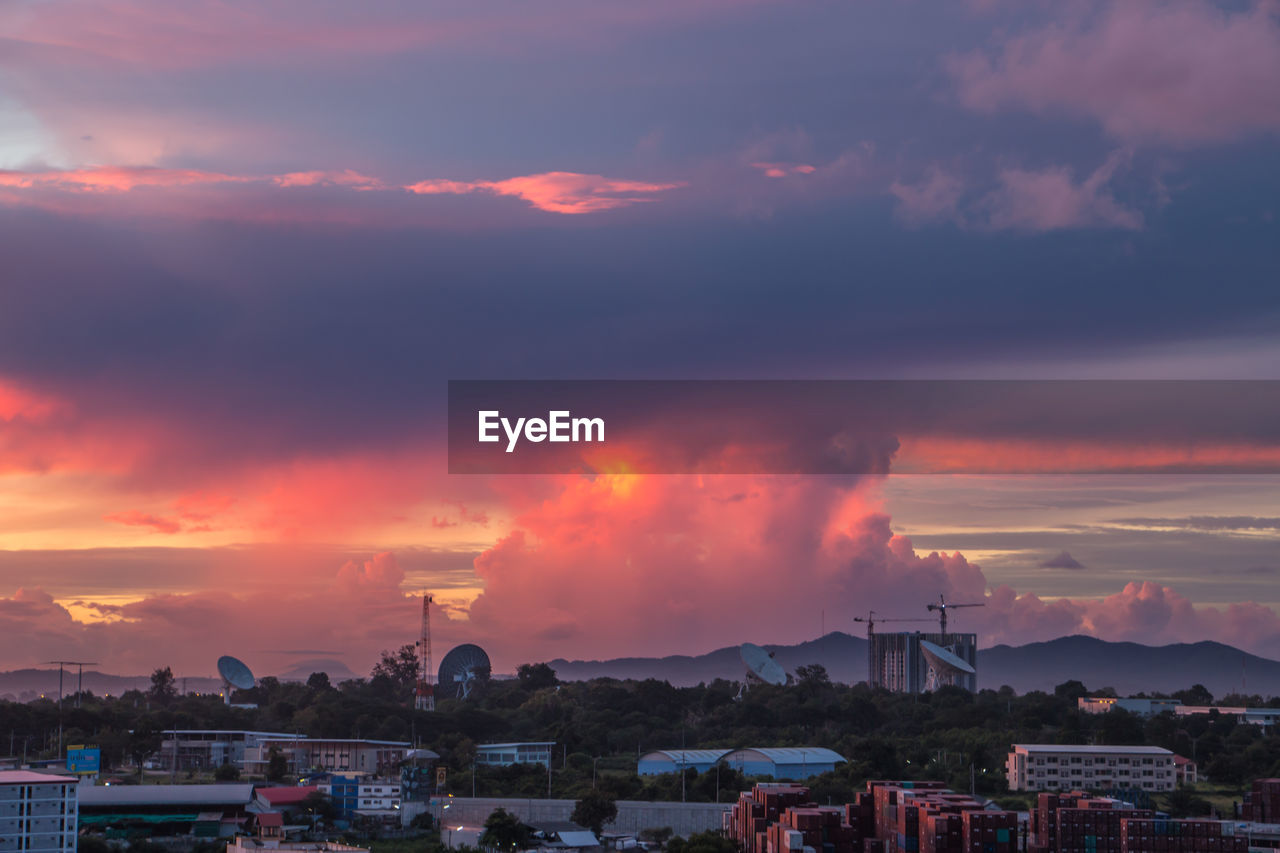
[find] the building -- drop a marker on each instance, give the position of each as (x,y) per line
(1185,771)
(1141,707)
(506,754)
(203,811)
(354,794)
(1041,767)
(886,817)
(245,844)
(674,760)
(897,661)
(788,763)
(1264,717)
(208,749)
(334,755)
(38,811)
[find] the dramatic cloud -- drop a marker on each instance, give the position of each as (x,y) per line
(1061,560)
(1186,71)
(136,518)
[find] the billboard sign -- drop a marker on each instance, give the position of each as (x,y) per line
(84,759)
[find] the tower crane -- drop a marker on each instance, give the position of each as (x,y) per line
(871,621)
(943,606)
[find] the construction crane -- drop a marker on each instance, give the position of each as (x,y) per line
(942,607)
(425,700)
(871,621)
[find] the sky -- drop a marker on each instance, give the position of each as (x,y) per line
(245,246)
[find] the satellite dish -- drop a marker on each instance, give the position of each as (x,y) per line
(235,673)
(761,666)
(945,667)
(461,669)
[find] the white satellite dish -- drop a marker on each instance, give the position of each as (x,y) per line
(761,666)
(235,673)
(945,667)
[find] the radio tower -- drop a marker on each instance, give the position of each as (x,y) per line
(426,698)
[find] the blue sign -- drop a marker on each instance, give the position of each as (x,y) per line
(84,759)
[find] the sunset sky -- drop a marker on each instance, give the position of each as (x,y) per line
(244,245)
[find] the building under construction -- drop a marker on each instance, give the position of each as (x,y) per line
(901,661)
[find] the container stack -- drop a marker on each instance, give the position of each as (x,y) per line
(1262,804)
(751,816)
(1079,823)
(1180,836)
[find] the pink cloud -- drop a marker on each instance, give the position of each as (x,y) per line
(1051,199)
(1183,72)
(112,178)
(556,192)
(137,518)
(344,178)
(933,198)
(783,170)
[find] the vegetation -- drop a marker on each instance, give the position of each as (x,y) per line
(504,831)
(602,726)
(594,810)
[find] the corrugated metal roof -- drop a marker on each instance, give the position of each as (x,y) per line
(509,745)
(1087,748)
(689,756)
(582,838)
(792,754)
(135,795)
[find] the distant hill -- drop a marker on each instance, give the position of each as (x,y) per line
(1127,667)
(25,685)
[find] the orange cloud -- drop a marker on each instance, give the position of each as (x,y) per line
(112,178)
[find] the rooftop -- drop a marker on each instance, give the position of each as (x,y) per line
(31,777)
(167,795)
(510,745)
(286,795)
(1089,749)
(690,756)
(795,754)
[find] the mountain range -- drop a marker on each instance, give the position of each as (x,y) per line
(1126,667)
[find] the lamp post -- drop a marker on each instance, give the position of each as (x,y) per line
(593,771)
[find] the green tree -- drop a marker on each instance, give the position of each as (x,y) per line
(163,687)
(319,807)
(594,810)
(400,668)
(227,773)
(319,682)
(277,765)
(144,742)
(702,842)
(504,831)
(535,676)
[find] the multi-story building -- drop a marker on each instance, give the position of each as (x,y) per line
(1141,707)
(898,663)
(354,793)
(1060,767)
(38,811)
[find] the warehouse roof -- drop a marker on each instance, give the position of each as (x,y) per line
(793,754)
(1087,749)
(165,795)
(688,756)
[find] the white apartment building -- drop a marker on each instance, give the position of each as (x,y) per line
(1058,767)
(37,812)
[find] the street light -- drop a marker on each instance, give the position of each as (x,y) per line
(593,770)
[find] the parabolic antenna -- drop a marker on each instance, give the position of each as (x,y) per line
(944,666)
(461,669)
(235,673)
(761,665)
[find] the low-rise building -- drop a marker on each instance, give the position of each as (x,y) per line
(335,755)
(1141,707)
(38,811)
(1185,771)
(208,749)
(507,754)
(662,761)
(1049,767)
(354,793)
(203,811)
